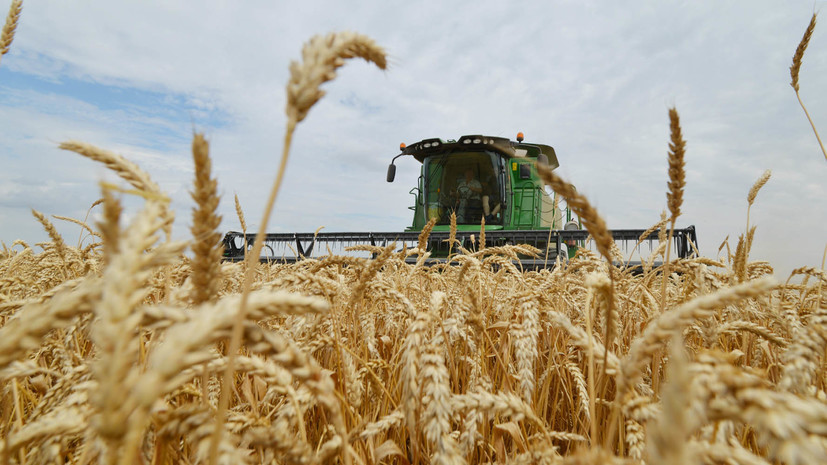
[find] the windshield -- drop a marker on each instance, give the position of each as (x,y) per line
(466,183)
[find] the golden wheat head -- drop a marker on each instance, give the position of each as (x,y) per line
(799,52)
(757,186)
(677,173)
(11,25)
(321,57)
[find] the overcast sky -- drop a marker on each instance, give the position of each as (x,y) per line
(593,79)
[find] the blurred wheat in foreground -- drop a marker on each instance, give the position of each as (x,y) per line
(106,356)
(113,351)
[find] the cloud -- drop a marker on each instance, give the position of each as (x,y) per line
(592,79)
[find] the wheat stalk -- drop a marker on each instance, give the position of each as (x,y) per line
(452,234)
(796,68)
(321,57)
(674,197)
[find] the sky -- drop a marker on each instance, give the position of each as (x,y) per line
(593,79)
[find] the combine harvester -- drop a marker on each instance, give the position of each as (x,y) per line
(474,177)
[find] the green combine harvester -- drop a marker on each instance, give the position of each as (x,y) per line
(475,177)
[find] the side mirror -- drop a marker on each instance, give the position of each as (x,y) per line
(391,172)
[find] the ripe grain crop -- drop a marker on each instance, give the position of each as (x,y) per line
(466,364)
(128,351)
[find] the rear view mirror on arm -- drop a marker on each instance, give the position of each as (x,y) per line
(391,172)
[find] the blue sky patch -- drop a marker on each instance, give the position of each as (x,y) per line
(172,107)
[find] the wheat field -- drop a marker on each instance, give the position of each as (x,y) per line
(134,348)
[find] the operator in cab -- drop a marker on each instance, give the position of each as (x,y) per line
(469,191)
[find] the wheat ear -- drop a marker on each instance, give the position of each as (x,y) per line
(753,192)
(11,25)
(436,415)
(759,183)
(500,403)
(85,219)
(128,171)
(739,261)
(452,234)
(110,229)
(412,348)
(799,52)
(524,333)
(482,235)
(422,239)
(240,213)
(206,264)
(677,173)
(57,239)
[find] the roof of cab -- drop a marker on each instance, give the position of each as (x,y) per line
(505,147)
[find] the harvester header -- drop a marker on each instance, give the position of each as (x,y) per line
(473,181)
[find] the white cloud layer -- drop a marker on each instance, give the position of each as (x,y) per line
(593,79)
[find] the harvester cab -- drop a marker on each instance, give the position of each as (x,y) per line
(474,179)
(481,177)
